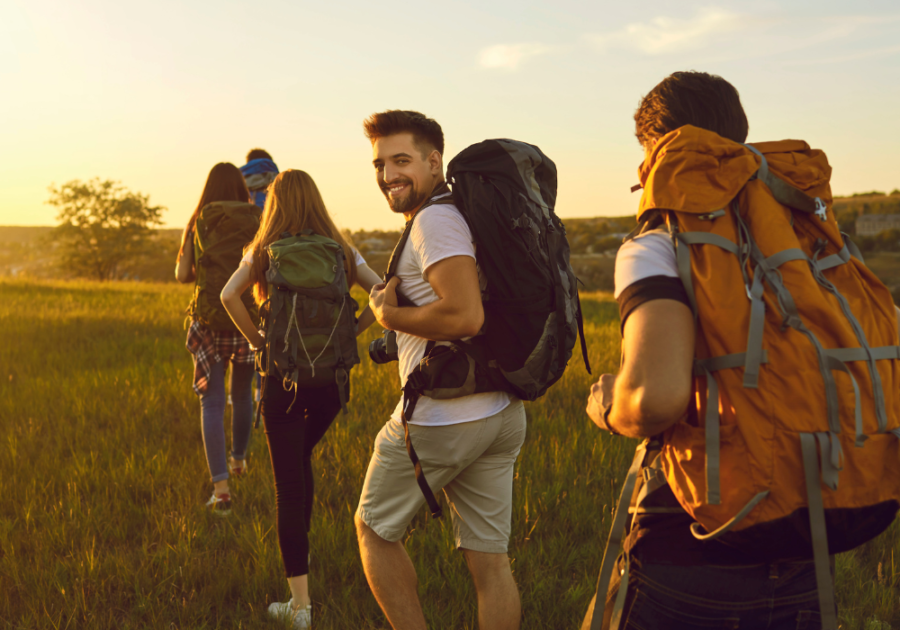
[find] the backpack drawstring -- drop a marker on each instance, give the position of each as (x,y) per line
(293,322)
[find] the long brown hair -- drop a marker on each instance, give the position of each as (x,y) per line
(225,183)
(293,204)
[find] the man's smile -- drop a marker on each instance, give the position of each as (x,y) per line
(395,190)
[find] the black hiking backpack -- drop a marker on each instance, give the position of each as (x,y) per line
(506,191)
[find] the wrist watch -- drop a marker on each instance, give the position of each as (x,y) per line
(605,419)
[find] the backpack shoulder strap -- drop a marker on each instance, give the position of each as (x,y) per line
(440,195)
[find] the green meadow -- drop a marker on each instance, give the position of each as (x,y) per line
(103,481)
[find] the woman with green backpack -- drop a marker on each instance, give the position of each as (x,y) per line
(211,249)
(301,268)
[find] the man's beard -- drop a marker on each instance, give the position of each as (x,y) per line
(413,199)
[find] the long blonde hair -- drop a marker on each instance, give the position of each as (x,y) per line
(293,204)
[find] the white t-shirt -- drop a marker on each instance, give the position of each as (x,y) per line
(648,255)
(248,257)
(439,232)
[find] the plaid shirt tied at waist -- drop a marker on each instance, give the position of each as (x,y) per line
(211,346)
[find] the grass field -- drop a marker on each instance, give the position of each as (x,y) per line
(103,480)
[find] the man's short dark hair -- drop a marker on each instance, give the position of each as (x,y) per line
(258,154)
(691,98)
(426,133)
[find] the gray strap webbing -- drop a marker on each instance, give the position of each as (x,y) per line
(817,531)
(831,458)
(837,364)
(782,191)
(724,362)
(755,333)
(696,527)
(854,250)
(895,432)
(705,367)
(683,260)
(654,479)
(708,238)
(614,543)
(834,260)
(786,255)
(879,353)
(616,617)
(758,312)
(874,375)
(792,318)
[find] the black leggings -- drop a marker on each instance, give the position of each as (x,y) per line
(292,437)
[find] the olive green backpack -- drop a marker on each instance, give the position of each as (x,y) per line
(221,231)
(309,316)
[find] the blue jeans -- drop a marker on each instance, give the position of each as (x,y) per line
(212,416)
(778,596)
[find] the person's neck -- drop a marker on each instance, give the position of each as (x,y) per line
(437,185)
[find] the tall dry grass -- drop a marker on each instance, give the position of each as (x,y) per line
(103,480)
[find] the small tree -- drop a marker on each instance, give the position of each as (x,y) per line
(104,228)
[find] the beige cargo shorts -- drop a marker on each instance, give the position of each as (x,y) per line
(473,462)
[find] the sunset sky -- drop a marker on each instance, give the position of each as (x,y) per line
(154,94)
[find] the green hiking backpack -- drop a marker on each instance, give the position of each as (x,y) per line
(221,231)
(309,316)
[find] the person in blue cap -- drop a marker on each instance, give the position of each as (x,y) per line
(258,172)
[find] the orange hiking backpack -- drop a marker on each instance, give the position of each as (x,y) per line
(791,447)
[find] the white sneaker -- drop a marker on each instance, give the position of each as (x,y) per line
(300,618)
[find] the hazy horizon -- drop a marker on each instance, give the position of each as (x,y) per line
(153,98)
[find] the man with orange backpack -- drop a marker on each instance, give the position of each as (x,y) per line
(760,365)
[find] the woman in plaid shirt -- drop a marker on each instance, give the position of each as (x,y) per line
(211,349)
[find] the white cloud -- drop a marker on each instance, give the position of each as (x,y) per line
(864,54)
(665,34)
(509,56)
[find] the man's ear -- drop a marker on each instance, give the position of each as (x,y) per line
(436,162)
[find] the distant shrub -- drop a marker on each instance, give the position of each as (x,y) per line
(847,221)
(888,240)
(608,243)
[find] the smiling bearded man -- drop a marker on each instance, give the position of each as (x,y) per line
(402,194)
(467,445)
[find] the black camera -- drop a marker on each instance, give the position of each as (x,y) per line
(384,350)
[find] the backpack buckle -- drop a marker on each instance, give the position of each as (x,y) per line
(416,381)
(821,210)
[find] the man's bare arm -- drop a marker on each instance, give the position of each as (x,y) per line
(653,387)
(457,312)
